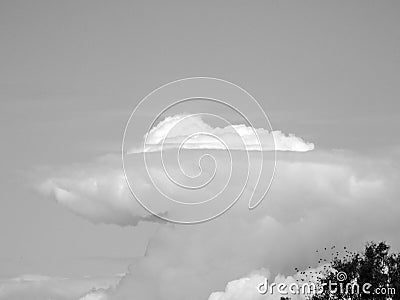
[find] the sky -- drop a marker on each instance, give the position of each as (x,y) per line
(71,74)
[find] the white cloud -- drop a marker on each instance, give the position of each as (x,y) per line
(194,133)
(247,288)
(317,199)
(58,288)
(96,191)
(243,289)
(95,295)
(320,200)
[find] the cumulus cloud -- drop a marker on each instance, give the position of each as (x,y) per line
(300,215)
(317,199)
(244,288)
(96,191)
(28,287)
(192,132)
(258,285)
(100,294)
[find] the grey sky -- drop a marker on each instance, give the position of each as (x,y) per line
(71,72)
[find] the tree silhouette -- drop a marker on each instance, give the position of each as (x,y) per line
(375,267)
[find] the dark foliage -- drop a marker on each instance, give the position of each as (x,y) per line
(375,266)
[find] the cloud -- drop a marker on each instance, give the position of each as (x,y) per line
(99,294)
(96,191)
(243,289)
(317,199)
(247,288)
(192,132)
(58,288)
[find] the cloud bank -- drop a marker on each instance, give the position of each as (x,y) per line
(96,191)
(28,287)
(192,132)
(317,199)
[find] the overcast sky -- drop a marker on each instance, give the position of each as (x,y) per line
(71,73)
